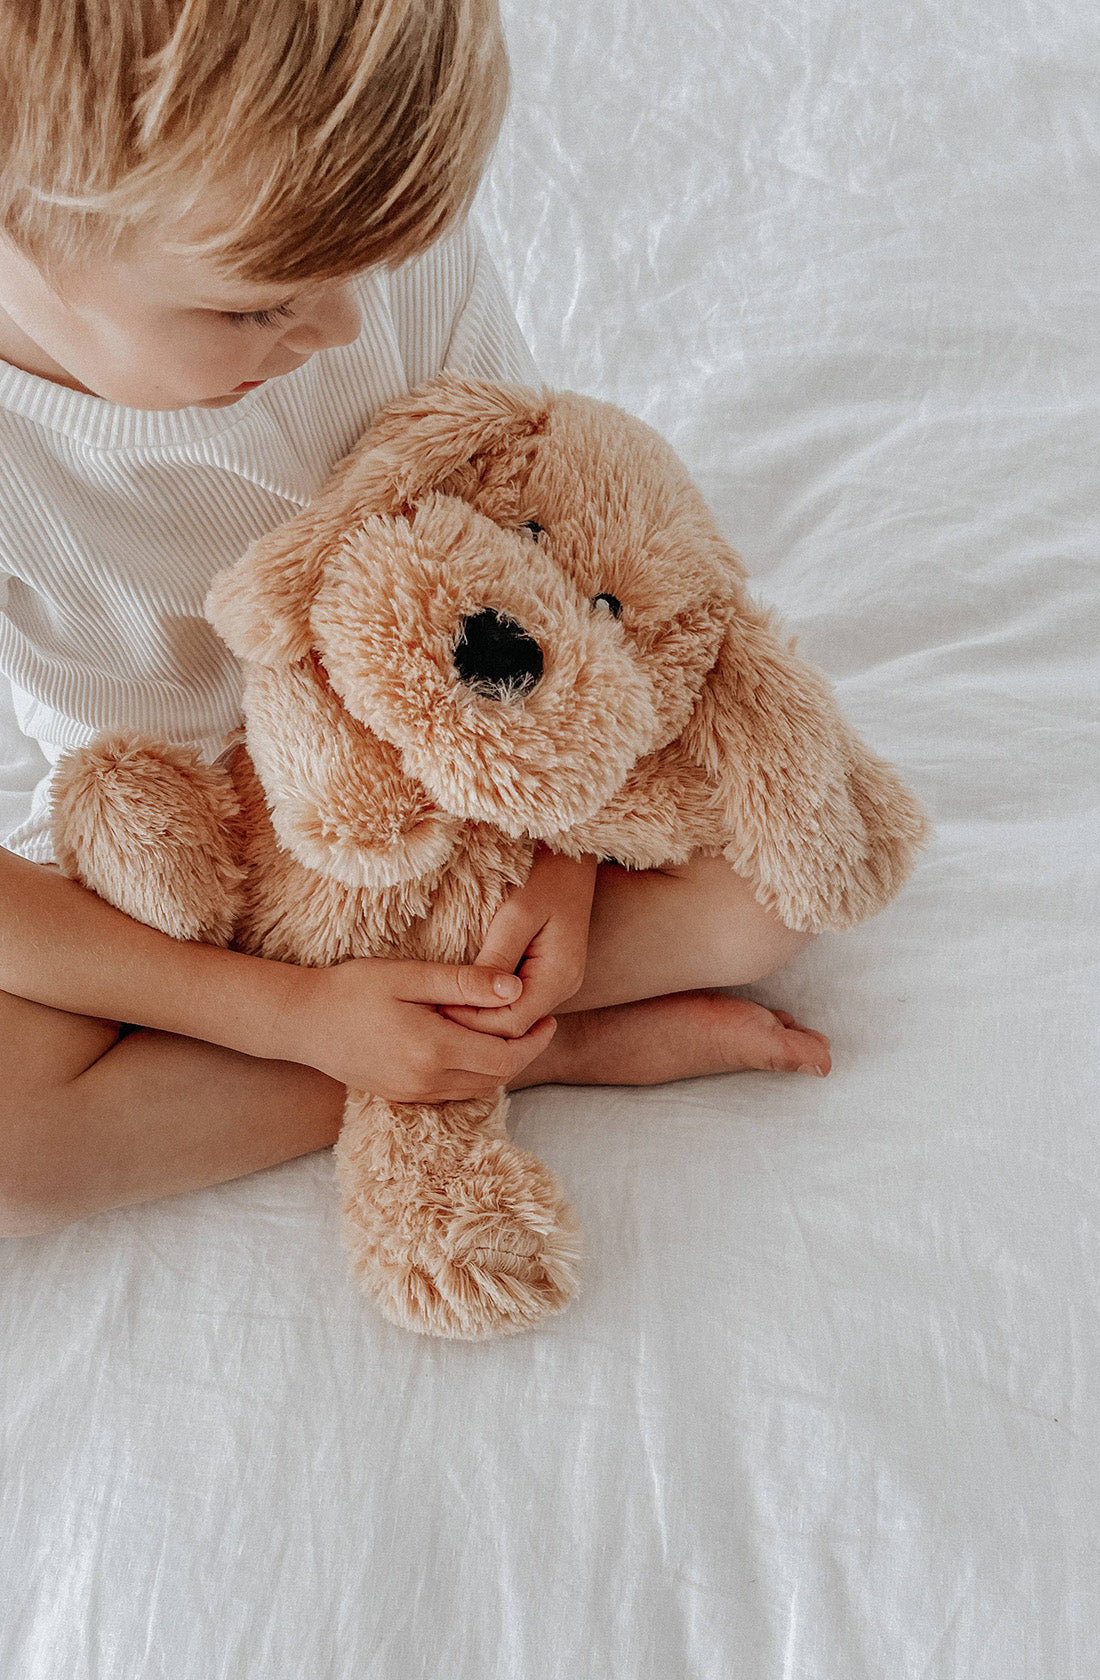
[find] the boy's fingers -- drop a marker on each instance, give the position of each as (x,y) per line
(499,1058)
(460,1087)
(473,1053)
(545,986)
(460,1083)
(444,983)
(506,1022)
(532,1044)
(509,935)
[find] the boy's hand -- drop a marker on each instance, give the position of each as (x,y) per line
(376,1024)
(541,933)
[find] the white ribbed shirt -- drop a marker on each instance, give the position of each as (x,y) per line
(114,520)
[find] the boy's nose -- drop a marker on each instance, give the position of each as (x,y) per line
(325,321)
(496,655)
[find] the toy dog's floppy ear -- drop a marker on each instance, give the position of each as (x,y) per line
(261,605)
(826,831)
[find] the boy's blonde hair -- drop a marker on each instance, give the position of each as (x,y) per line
(350,132)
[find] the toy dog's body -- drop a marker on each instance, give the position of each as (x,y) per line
(509,618)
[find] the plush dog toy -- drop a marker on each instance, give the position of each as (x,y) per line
(508,617)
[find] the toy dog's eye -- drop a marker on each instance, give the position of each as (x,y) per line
(533,526)
(610,603)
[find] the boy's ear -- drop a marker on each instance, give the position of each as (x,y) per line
(261,605)
(824,829)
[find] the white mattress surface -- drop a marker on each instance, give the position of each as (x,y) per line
(827,1406)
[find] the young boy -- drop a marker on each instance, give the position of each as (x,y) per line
(228,234)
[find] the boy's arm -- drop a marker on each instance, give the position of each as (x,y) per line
(62,945)
(369,1023)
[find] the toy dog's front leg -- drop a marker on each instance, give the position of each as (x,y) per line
(340,801)
(451,1228)
(154,831)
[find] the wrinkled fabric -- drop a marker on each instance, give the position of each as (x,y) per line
(827,1406)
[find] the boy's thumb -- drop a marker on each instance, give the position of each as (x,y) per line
(473,984)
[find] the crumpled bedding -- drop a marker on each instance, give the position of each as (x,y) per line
(827,1406)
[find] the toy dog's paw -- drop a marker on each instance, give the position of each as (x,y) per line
(843,886)
(154,831)
(487,1250)
(896,827)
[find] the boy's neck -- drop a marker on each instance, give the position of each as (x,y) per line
(22,352)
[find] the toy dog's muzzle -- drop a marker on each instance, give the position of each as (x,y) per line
(512,697)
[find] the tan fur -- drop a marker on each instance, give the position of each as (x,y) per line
(380,805)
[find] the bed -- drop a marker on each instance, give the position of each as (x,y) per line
(826,1408)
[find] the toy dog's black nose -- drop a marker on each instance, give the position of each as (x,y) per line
(496,654)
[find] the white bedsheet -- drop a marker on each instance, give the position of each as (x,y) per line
(827,1408)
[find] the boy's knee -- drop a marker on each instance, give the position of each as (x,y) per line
(29,1219)
(32,1198)
(748,937)
(773,946)
(43,1053)
(790,945)
(29,1206)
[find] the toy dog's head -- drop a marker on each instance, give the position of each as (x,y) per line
(522,595)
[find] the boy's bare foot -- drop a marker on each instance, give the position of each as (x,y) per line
(676,1037)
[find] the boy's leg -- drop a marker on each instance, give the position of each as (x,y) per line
(692,926)
(677,933)
(90,1119)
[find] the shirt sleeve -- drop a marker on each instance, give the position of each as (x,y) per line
(486,342)
(452,315)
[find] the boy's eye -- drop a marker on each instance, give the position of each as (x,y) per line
(259,317)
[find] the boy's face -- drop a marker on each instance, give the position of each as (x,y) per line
(151,330)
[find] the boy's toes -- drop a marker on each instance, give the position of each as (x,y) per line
(772,1041)
(802,1049)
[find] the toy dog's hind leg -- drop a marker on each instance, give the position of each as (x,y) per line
(450,1227)
(155,832)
